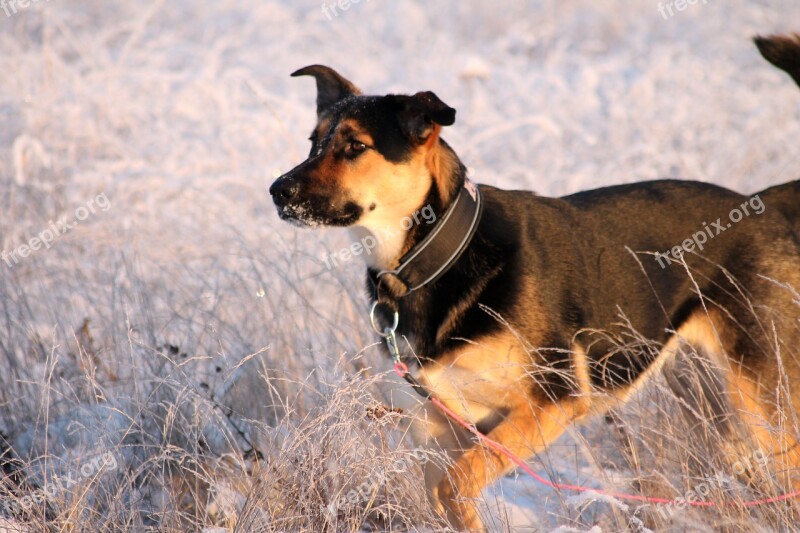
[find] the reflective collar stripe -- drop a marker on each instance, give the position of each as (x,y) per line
(430,259)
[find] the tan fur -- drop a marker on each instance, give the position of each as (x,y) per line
(441,163)
(493,381)
(387,192)
(488,382)
(754,405)
(759,403)
(480,379)
(580,367)
(699,331)
(396,191)
(526,430)
(322,127)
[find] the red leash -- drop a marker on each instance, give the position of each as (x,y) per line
(402,370)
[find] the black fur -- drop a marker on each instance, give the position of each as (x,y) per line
(584,281)
(782,51)
(420,112)
(786,198)
(585,263)
(331,87)
(584,244)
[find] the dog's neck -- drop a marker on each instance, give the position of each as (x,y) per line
(447,175)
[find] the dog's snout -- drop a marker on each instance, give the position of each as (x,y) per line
(284,190)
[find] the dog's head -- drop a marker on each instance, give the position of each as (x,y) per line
(373,159)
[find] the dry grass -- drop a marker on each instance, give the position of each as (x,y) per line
(204,429)
(202,343)
(261,440)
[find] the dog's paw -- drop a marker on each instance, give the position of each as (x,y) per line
(460,512)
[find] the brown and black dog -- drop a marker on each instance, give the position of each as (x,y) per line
(532,313)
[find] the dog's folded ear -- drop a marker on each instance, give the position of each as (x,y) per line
(419,115)
(331,86)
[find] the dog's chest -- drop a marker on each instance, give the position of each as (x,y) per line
(479,380)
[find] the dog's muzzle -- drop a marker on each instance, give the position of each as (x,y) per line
(310,208)
(284,190)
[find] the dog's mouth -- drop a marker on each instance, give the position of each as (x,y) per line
(306,215)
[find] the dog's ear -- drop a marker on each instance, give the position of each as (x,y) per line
(331,86)
(420,114)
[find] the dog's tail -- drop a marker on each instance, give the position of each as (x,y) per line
(783,51)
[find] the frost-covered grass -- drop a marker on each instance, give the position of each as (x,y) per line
(192,335)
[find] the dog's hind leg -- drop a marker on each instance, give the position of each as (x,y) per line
(771,424)
(699,387)
(762,387)
(741,411)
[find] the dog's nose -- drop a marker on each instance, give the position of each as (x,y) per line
(283,190)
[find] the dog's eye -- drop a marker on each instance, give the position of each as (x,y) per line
(355,148)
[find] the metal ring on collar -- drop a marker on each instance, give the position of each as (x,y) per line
(374,322)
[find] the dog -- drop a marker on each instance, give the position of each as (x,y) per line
(526,314)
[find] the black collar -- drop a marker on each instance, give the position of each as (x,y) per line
(429,259)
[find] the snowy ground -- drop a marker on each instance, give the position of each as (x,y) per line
(164,122)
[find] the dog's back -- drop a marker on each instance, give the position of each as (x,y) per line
(785,198)
(784,53)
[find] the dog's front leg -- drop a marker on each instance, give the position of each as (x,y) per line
(528,429)
(431,430)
